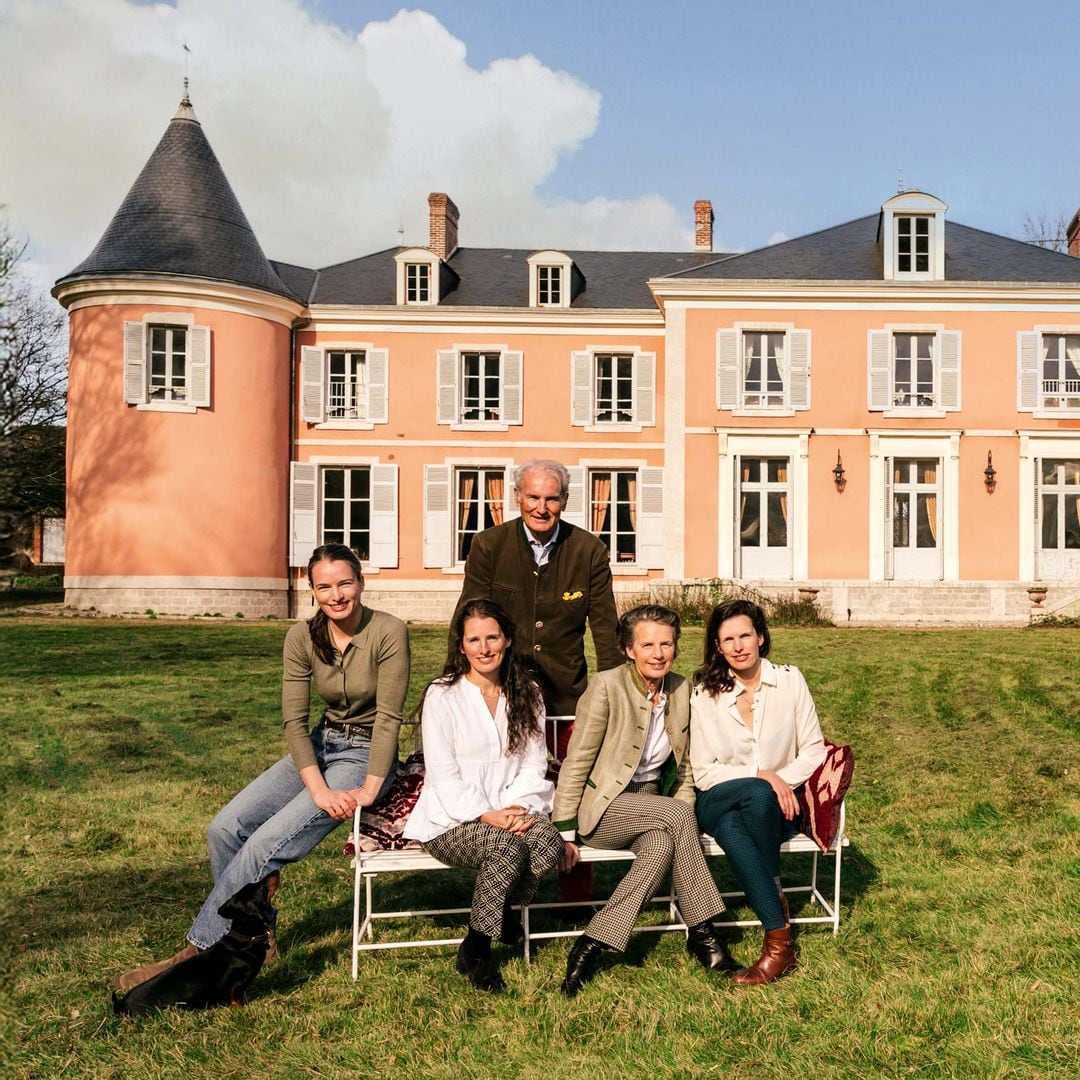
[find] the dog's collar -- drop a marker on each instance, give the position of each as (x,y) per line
(235,934)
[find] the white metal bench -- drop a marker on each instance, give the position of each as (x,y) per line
(369,865)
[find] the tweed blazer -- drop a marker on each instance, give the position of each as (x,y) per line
(609,738)
(549,604)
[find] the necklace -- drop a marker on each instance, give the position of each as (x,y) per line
(492,692)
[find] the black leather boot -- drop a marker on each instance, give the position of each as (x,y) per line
(704,944)
(474,960)
(512,932)
(581,964)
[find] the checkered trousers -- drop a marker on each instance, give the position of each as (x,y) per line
(509,865)
(663,834)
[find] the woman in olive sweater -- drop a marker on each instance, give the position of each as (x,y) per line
(358,660)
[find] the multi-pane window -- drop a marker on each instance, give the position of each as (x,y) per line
(346,393)
(614,396)
(913,245)
(763,370)
(479,501)
(480,385)
(417,283)
(613,509)
(913,370)
(763,502)
(549,285)
(346,508)
(1060,375)
(1059,510)
(167,363)
(915,503)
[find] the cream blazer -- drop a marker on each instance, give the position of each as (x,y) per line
(610,728)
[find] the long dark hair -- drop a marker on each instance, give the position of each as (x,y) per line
(318,624)
(714,674)
(523,700)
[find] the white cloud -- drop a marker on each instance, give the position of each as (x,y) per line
(331,140)
(777,237)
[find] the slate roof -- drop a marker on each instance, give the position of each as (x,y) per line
(181,217)
(853,252)
(499,277)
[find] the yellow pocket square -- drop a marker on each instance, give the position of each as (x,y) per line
(573,595)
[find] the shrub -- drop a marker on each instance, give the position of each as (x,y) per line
(695,600)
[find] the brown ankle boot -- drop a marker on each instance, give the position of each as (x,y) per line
(777,958)
(139,975)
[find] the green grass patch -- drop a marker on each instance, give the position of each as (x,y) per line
(956,955)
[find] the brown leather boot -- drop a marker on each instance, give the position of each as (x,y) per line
(777,958)
(139,975)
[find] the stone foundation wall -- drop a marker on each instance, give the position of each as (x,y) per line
(251,603)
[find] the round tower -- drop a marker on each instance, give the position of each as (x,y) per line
(178,399)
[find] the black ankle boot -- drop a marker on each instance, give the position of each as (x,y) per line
(581,964)
(704,944)
(512,932)
(474,960)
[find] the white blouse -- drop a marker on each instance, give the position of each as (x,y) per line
(466,768)
(785,739)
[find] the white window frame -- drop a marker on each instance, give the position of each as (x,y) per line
(314,385)
(306,509)
(551,260)
(942,445)
(450,387)
(440,507)
(137,363)
(731,367)
(1030,395)
(416,257)
(1034,447)
(584,379)
(731,446)
(947,355)
(913,205)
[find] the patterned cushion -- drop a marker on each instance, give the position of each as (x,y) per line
(382,823)
(821,795)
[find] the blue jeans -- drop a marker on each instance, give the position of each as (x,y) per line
(274,821)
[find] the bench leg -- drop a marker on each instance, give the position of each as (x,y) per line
(356,925)
(836,890)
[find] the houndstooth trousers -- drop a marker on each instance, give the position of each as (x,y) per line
(663,834)
(509,865)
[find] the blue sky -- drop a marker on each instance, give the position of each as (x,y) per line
(587,124)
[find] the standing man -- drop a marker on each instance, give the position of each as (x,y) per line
(551,577)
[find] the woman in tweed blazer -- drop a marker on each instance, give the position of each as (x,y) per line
(627,782)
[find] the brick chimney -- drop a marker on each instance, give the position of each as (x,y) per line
(1072,235)
(444,223)
(703,222)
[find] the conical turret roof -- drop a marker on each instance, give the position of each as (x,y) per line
(181,217)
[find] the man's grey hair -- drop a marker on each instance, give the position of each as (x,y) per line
(552,468)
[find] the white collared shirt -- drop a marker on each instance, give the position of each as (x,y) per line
(541,549)
(657,745)
(466,768)
(785,738)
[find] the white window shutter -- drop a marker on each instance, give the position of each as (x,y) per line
(727,369)
(199,367)
(303,512)
(377,363)
(650,530)
(384,516)
(888,520)
(1027,371)
(510,503)
(446,363)
(576,509)
(798,345)
(645,389)
(949,344)
(581,375)
(135,363)
(312,385)
(878,370)
(438,507)
(511,387)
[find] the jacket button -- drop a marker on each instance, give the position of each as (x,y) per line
(536,648)
(539,625)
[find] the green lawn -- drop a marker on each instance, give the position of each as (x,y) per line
(957,954)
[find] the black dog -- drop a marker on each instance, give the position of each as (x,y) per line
(222,973)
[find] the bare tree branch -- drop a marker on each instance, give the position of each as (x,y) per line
(1045,233)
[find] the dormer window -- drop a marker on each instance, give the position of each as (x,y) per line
(913,235)
(554,280)
(418,279)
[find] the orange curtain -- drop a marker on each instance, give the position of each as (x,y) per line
(467,484)
(632,496)
(781,476)
(495,498)
(601,494)
(931,515)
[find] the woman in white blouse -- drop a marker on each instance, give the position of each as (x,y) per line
(754,740)
(486,797)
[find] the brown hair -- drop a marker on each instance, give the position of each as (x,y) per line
(318,626)
(714,674)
